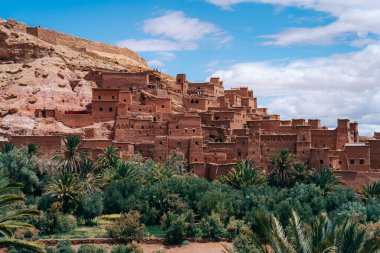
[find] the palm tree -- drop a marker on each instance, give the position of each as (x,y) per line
(245,174)
(33,149)
(282,168)
(70,155)
(370,191)
(9,221)
(125,170)
(325,179)
(66,187)
(93,180)
(302,173)
(109,157)
(6,147)
(322,236)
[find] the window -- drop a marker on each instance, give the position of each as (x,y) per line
(101,109)
(160,142)
(239,153)
(340,162)
(125,100)
(113,97)
(99,97)
(177,127)
(193,130)
(162,106)
(110,109)
(185,130)
(142,127)
(320,161)
(361,161)
(352,161)
(196,143)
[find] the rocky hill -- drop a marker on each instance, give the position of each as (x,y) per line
(41,68)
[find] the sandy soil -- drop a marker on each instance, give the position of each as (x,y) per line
(211,247)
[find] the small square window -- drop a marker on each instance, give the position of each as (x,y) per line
(110,109)
(99,97)
(113,97)
(162,106)
(320,161)
(340,162)
(361,161)
(101,109)
(125,100)
(352,161)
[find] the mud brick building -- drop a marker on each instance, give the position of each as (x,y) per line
(151,114)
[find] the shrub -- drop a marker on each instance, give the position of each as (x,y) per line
(128,227)
(90,207)
(65,223)
(212,227)
(89,249)
(234,227)
(132,247)
(64,247)
(178,227)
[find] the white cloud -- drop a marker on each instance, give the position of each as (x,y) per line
(168,56)
(155,45)
(175,25)
(176,32)
(155,63)
(342,85)
(354,20)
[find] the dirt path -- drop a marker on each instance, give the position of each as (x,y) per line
(209,247)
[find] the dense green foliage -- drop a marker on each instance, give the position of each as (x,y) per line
(245,205)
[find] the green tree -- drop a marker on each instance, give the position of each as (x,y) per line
(10,220)
(67,188)
(109,157)
(33,149)
(370,191)
(70,155)
(176,162)
(282,168)
(6,147)
(245,174)
(21,167)
(127,228)
(178,227)
(326,180)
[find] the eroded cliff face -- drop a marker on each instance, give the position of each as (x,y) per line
(44,69)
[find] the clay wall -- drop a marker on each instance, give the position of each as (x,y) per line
(319,158)
(186,126)
(145,149)
(314,123)
(358,156)
(195,103)
(357,179)
(57,38)
(375,154)
(162,104)
(105,94)
(124,81)
(343,133)
(215,157)
(229,148)
(48,144)
(323,138)
(126,98)
(104,110)
(75,120)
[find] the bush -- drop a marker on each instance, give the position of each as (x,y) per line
(64,247)
(89,249)
(90,207)
(212,227)
(234,227)
(132,247)
(127,228)
(65,223)
(178,227)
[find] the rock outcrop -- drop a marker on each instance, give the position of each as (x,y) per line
(45,69)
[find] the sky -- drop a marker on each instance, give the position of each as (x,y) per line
(302,58)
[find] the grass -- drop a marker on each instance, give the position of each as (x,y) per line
(99,229)
(156,231)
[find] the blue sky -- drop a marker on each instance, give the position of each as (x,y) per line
(303,58)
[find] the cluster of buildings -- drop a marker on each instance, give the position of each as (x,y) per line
(151,114)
